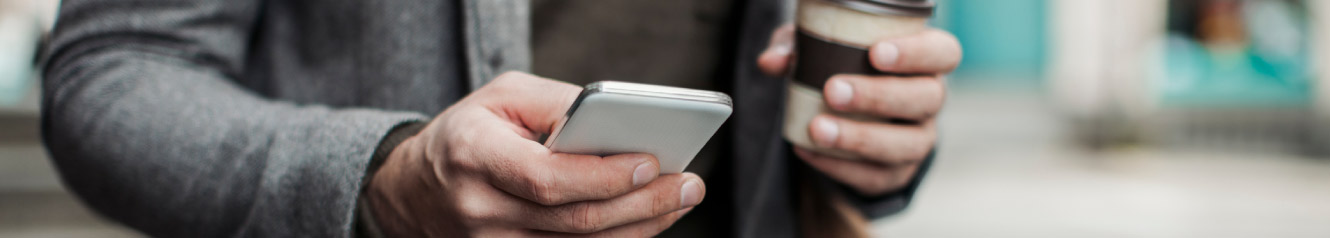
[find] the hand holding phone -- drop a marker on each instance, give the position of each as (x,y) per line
(618,117)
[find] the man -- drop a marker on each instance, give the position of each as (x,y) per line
(277,118)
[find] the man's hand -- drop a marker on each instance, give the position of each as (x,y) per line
(476,170)
(890,152)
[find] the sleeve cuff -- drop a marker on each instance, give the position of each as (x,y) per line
(891,203)
(395,136)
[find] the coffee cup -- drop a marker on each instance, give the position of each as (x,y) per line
(833,37)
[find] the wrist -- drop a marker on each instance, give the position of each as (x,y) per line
(392,185)
(392,148)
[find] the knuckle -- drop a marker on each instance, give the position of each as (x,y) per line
(508,82)
(936,99)
(459,154)
(851,138)
(584,219)
(937,91)
(476,210)
(886,104)
(463,139)
(661,203)
(508,77)
(460,161)
(909,147)
(543,191)
(877,98)
(909,154)
(920,151)
(613,189)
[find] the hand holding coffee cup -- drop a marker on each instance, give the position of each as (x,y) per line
(865,88)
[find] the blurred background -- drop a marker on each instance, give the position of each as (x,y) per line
(33,203)
(1068,118)
(1131,118)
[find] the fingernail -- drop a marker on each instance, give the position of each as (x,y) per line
(691,193)
(643,174)
(839,93)
(885,55)
(825,132)
(686,210)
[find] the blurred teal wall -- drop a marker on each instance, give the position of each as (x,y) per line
(1004,40)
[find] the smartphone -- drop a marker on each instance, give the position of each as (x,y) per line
(612,117)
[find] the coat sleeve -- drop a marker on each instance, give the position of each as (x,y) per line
(146,125)
(890,203)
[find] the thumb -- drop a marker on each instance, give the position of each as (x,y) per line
(529,101)
(776,59)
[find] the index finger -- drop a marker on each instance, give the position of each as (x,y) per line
(529,170)
(929,52)
(517,164)
(661,197)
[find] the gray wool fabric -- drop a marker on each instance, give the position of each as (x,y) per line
(253,118)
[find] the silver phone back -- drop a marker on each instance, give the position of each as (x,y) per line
(618,117)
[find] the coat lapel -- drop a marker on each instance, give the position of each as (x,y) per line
(762,204)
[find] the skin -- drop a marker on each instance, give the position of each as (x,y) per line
(888,153)
(476,169)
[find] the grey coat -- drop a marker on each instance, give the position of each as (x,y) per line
(252,118)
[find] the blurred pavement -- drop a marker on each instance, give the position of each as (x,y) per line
(1008,168)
